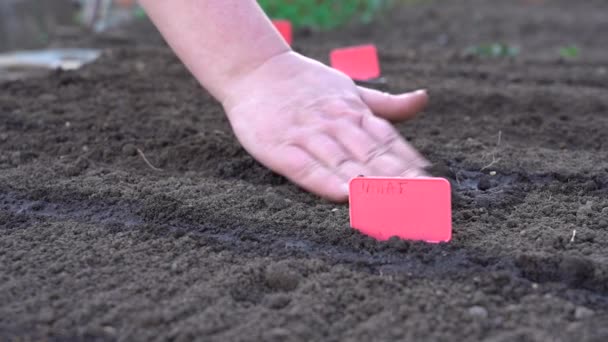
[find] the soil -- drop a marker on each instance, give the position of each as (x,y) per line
(97,245)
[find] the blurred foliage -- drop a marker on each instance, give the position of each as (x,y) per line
(323,14)
(569,52)
(139,13)
(493,50)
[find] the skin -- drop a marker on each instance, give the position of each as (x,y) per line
(298,117)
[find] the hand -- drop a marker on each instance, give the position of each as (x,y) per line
(313,125)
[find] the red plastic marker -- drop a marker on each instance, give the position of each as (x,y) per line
(410,208)
(359,62)
(285,29)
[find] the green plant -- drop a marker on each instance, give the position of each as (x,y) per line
(322,14)
(493,50)
(139,13)
(569,52)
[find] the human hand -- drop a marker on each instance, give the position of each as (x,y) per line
(313,125)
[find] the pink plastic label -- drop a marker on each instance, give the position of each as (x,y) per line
(359,62)
(285,29)
(409,208)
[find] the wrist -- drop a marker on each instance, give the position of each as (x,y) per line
(282,65)
(233,71)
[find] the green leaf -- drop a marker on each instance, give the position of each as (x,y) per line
(570,52)
(494,50)
(323,14)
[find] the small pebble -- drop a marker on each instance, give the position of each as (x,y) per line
(140,66)
(109,330)
(129,150)
(277,301)
(274,201)
(492,173)
(478,312)
(279,276)
(582,312)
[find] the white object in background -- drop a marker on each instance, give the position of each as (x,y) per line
(66,59)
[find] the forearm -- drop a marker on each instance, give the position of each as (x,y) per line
(218,40)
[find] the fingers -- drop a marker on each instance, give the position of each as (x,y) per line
(378,148)
(323,161)
(331,154)
(387,135)
(394,107)
(323,148)
(306,171)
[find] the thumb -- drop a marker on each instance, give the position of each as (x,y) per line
(394,107)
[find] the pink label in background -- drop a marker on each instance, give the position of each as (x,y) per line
(358,62)
(285,29)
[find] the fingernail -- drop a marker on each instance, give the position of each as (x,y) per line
(424,163)
(420,163)
(421,91)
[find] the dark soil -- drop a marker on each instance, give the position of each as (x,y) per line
(97,245)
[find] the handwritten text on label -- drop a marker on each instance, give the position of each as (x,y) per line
(382,187)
